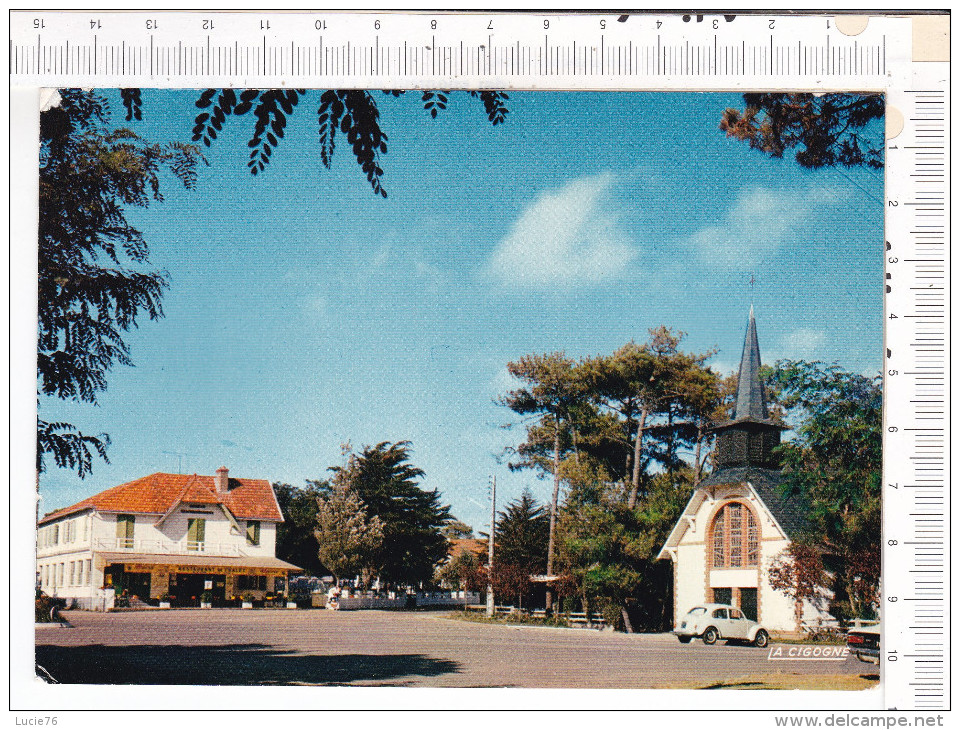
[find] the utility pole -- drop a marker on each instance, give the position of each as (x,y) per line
(493,530)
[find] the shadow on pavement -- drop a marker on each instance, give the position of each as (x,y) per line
(237,664)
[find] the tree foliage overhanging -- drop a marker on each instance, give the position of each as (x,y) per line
(826,130)
(95,283)
(352,113)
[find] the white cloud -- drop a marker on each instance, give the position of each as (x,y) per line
(566,237)
(760,221)
(724,368)
(318,304)
(503,381)
(804,344)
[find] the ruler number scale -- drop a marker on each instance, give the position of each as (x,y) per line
(916,501)
(214,48)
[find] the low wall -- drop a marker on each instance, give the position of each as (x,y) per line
(447,599)
(421,600)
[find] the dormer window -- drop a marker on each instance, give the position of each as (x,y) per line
(253,532)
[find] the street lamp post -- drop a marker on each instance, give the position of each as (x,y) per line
(493,529)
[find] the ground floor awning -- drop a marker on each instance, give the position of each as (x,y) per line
(191,563)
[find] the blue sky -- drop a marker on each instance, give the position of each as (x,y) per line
(305,312)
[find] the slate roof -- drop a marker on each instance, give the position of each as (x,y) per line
(750,397)
(789,512)
(251,499)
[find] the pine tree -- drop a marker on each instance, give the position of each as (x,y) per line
(348,538)
(412,518)
(553,393)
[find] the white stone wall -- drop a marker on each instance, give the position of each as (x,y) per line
(65,535)
(689,582)
(219,538)
(70,575)
(776,609)
(268,539)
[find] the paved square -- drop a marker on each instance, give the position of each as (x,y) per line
(379,648)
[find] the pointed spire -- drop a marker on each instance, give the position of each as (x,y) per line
(750,399)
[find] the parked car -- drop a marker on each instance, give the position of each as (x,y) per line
(864,643)
(715,621)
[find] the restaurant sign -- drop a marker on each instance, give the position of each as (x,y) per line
(198,569)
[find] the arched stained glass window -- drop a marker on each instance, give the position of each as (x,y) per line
(736,537)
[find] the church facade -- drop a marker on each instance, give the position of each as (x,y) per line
(737,521)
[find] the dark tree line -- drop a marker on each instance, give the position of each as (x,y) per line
(621,432)
(374,513)
(624,439)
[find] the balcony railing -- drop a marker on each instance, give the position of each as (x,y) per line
(167,547)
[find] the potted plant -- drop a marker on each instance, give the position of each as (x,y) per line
(206,599)
(246,600)
(165,600)
(291,603)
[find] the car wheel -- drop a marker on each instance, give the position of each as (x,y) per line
(684,639)
(761,639)
(711,635)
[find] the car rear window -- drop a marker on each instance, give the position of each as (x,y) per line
(697,611)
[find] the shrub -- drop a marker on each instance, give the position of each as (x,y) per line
(47,609)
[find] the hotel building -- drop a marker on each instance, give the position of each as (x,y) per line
(165,534)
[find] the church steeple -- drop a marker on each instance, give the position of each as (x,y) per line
(751,402)
(750,437)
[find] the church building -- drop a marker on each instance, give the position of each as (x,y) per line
(738,521)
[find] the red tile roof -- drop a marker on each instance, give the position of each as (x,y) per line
(251,499)
(467,544)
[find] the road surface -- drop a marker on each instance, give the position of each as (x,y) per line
(380,648)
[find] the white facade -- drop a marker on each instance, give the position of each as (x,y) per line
(74,552)
(738,521)
(701,576)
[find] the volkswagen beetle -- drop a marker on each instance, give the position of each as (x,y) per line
(713,622)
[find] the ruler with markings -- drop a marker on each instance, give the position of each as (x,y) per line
(904,56)
(916,498)
(419,49)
